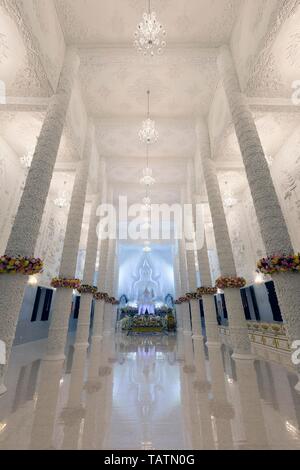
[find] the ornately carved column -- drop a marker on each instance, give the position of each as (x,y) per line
(63,297)
(269,214)
(211,323)
(27,223)
(237,322)
(83,325)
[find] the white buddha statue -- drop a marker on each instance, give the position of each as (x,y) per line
(146,289)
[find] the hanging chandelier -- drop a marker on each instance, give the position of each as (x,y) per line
(148,133)
(149,37)
(147,178)
(146,204)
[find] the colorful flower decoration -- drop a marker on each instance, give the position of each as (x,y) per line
(228,282)
(63,283)
(193,296)
(182,300)
(279,264)
(99,296)
(20,265)
(87,289)
(207,290)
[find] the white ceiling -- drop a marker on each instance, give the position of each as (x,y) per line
(114,79)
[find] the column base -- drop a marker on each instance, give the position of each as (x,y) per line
(3,389)
(213,344)
(243,357)
(54,357)
(81,345)
(198,337)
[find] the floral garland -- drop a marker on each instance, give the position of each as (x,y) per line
(279,264)
(63,283)
(182,300)
(87,289)
(207,290)
(193,296)
(99,296)
(228,282)
(20,265)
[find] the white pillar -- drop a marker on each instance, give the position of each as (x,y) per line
(194,303)
(237,321)
(100,304)
(62,301)
(269,214)
(27,223)
(83,324)
(211,323)
(108,309)
(187,329)
(177,281)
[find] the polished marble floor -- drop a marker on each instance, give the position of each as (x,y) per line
(147,392)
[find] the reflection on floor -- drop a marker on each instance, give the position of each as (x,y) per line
(147,392)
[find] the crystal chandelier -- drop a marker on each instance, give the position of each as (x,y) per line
(147,203)
(147,178)
(148,134)
(149,37)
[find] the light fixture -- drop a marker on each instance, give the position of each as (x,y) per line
(62,200)
(148,133)
(149,37)
(147,178)
(259,278)
(230,201)
(26,159)
(270,160)
(32,281)
(147,249)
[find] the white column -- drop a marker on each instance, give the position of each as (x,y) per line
(177,281)
(187,329)
(83,324)
(269,214)
(108,309)
(211,323)
(194,303)
(100,304)
(62,301)
(27,223)
(237,321)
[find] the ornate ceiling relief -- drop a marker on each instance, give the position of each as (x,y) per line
(31,79)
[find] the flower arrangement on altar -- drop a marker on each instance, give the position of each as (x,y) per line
(87,289)
(279,264)
(228,282)
(20,265)
(207,290)
(64,283)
